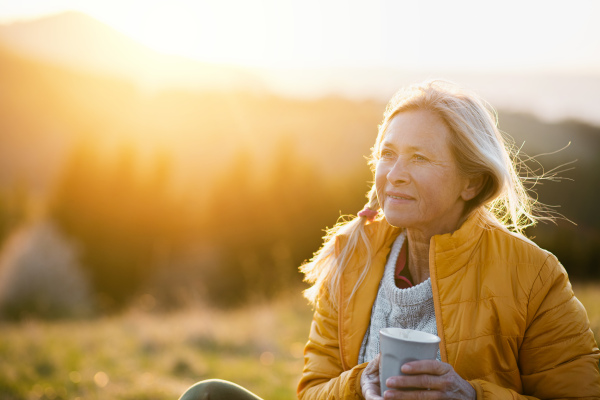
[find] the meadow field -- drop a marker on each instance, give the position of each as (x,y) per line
(152,355)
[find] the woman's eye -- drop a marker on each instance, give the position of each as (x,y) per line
(386,154)
(419,157)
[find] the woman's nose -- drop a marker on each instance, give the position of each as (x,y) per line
(398,174)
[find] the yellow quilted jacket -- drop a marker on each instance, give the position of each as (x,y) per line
(505,311)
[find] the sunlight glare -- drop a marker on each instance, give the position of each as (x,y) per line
(432,34)
(216,31)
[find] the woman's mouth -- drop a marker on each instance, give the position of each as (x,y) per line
(399,196)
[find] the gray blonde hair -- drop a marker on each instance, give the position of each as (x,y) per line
(479,149)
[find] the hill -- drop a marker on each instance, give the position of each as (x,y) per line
(78,41)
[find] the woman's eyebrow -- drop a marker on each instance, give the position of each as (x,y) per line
(409,148)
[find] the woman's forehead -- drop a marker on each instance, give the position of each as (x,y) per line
(414,130)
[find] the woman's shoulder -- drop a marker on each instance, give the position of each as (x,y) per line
(512,263)
(514,244)
(483,240)
(518,253)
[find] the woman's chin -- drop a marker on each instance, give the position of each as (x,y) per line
(397,221)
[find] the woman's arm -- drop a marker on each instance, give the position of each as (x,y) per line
(323,376)
(558,357)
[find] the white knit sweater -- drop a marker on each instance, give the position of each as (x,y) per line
(410,308)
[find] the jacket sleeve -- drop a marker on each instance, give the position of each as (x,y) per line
(558,357)
(323,376)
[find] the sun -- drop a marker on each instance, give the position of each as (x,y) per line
(203,30)
(164,28)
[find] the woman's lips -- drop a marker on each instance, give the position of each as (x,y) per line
(399,196)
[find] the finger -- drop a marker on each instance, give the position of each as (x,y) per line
(373,396)
(370,369)
(413,395)
(373,366)
(373,393)
(430,367)
(429,382)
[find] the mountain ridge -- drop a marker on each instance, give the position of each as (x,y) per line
(79,41)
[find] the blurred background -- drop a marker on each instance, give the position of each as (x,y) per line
(159,155)
(198,149)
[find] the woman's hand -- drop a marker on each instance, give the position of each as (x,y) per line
(369,380)
(431,379)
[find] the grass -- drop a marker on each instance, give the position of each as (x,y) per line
(153,356)
(156,356)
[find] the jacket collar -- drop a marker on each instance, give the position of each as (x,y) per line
(452,251)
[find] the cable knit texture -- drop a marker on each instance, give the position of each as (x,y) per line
(410,308)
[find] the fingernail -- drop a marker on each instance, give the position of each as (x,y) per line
(406,368)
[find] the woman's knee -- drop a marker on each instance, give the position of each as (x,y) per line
(217,389)
(204,390)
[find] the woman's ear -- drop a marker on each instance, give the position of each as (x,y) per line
(473,187)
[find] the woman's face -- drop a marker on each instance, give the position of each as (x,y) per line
(418,183)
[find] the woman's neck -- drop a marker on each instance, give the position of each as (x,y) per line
(418,249)
(418,255)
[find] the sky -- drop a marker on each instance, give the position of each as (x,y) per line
(544,36)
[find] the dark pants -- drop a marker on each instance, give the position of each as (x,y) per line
(216,389)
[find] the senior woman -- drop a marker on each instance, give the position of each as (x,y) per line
(438,248)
